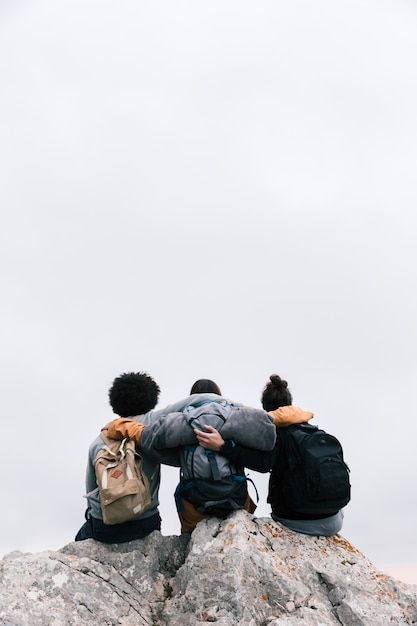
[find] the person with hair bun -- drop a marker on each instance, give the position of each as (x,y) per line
(275,396)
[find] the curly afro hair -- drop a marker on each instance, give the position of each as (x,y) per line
(133,394)
(275,393)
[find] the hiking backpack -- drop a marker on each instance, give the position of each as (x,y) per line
(311,477)
(208,480)
(124,488)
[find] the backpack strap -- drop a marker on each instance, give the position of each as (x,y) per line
(212,459)
(121,451)
(254,486)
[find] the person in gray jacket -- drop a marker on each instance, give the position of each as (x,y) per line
(174,430)
(131,394)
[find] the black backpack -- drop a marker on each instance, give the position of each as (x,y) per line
(311,477)
(208,480)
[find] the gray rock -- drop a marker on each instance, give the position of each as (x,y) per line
(241,571)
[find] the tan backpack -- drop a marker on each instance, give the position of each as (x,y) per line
(124,488)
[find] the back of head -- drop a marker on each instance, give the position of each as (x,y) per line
(205,385)
(275,393)
(133,394)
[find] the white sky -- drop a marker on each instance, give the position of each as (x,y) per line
(222,190)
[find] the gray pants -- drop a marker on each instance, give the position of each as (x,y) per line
(325,527)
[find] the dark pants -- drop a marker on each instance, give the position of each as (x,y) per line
(118,533)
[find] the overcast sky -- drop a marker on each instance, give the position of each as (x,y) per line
(222,189)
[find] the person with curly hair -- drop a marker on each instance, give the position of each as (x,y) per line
(131,395)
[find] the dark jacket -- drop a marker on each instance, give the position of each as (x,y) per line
(274,462)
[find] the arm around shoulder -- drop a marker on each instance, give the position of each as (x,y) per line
(124,427)
(257,460)
(287,415)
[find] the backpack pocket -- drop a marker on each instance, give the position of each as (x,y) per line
(124,502)
(216,498)
(332,484)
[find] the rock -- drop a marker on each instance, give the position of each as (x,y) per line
(240,571)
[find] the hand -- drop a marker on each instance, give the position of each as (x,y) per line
(106,427)
(211,440)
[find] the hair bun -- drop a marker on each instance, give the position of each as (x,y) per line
(278,382)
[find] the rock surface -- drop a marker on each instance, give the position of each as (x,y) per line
(240,571)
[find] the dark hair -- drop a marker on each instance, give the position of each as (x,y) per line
(205,385)
(133,394)
(275,393)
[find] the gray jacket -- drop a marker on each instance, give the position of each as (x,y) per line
(248,427)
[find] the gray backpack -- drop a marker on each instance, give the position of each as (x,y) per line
(208,480)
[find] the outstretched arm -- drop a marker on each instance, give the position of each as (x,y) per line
(287,415)
(257,460)
(123,427)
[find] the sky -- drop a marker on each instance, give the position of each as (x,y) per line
(219,190)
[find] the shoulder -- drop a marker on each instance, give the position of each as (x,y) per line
(147,418)
(95,446)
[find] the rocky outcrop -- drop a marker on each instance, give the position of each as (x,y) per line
(240,571)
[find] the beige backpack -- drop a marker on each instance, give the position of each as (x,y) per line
(124,488)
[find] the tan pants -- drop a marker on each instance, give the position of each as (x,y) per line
(189,516)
